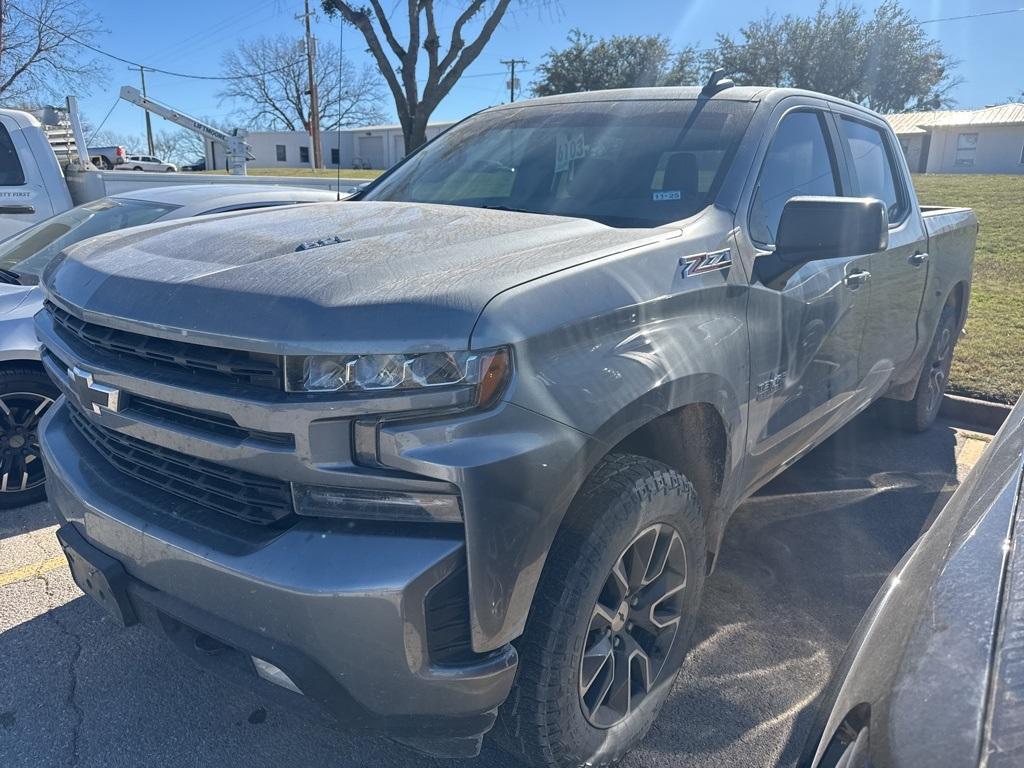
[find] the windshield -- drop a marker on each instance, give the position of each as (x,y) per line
(625,164)
(28,252)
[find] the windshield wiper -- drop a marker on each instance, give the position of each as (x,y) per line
(11,278)
(509,208)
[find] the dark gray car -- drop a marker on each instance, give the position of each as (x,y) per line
(464,448)
(935,672)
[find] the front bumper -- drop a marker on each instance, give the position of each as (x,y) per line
(340,607)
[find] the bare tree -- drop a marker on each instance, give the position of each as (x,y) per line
(40,54)
(270,86)
(398,60)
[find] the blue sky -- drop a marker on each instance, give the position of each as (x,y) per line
(191,35)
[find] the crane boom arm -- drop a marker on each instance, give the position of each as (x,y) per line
(237,148)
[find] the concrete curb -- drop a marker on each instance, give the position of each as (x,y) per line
(980,413)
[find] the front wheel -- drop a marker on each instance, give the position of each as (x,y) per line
(612,618)
(25,395)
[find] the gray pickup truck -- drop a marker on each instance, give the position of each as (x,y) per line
(460,453)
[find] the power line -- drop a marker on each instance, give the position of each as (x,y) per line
(973,15)
(136,64)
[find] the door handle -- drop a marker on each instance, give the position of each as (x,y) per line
(17,209)
(855,280)
(918,258)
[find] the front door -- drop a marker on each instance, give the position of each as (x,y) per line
(806,327)
(23,197)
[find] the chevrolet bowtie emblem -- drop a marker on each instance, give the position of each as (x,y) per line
(93,396)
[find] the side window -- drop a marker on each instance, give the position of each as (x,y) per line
(282,153)
(11,173)
(303,154)
(799,162)
(874,173)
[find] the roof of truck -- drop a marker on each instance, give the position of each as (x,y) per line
(681,93)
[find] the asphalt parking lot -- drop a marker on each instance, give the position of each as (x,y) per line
(800,564)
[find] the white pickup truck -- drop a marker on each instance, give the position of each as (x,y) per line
(42,174)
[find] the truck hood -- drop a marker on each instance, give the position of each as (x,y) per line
(349,276)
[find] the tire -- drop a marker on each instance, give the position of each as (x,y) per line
(137,168)
(543,722)
(168,169)
(918,414)
(25,395)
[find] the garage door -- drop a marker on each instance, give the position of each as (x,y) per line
(371,151)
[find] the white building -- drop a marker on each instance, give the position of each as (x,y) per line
(372,146)
(987,140)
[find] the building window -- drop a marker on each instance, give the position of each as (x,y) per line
(335,157)
(966,148)
(1022,155)
(303,154)
(282,153)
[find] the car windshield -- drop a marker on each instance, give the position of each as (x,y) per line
(625,164)
(28,252)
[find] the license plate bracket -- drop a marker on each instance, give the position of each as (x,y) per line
(97,574)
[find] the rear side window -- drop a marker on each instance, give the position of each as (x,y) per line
(799,162)
(11,173)
(874,174)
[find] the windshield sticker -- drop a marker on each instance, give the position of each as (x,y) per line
(569,148)
(668,194)
(705,262)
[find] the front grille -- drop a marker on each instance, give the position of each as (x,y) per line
(250,497)
(204,421)
(259,370)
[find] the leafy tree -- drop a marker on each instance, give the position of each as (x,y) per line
(621,61)
(270,86)
(40,58)
(884,61)
(398,60)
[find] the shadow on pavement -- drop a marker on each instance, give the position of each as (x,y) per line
(800,563)
(14,522)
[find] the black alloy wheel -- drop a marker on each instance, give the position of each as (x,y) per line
(633,626)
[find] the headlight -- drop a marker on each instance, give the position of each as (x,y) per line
(486,370)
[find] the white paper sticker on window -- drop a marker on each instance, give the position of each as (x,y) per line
(569,148)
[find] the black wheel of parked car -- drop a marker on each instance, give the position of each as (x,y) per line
(25,394)
(919,414)
(612,617)
(137,168)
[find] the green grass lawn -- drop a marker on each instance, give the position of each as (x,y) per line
(989,361)
(346,173)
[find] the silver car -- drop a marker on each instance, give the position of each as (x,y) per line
(25,390)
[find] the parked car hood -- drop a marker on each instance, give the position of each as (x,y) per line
(348,276)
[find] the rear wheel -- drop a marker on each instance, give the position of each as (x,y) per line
(919,414)
(25,395)
(612,618)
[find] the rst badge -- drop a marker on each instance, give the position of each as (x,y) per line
(95,397)
(705,262)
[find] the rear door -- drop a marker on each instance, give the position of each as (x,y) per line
(805,327)
(898,274)
(23,197)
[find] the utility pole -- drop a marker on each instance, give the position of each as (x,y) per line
(513,84)
(149,122)
(314,100)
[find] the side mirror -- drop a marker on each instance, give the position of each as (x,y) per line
(813,228)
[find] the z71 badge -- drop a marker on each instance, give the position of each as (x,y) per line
(705,262)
